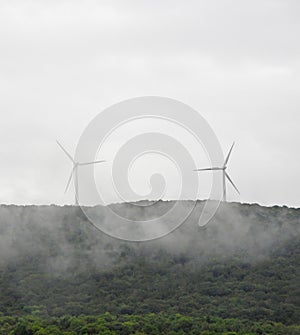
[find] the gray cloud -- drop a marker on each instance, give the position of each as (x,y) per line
(236,62)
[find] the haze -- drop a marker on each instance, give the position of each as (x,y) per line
(236,62)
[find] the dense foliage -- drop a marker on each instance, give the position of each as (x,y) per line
(240,275)
(150,324)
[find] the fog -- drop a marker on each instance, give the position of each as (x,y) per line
(60,240)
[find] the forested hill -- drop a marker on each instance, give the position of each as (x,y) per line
(244,266)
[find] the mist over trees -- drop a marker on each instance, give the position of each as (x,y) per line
(63,235)
(243,266)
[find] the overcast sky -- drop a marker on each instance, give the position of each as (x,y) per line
(236,62)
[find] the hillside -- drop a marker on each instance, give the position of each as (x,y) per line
(243,266)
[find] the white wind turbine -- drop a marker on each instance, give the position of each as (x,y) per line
(74,172)
(225,174)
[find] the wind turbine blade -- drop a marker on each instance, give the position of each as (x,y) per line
(65,151)
(227,176)
(89,163)
(227,158)
(209,169)
(69,180)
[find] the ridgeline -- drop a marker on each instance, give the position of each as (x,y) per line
(239,275)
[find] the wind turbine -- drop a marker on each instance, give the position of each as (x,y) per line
(225,174)
(74,172)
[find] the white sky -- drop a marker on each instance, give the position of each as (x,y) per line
(236,62)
